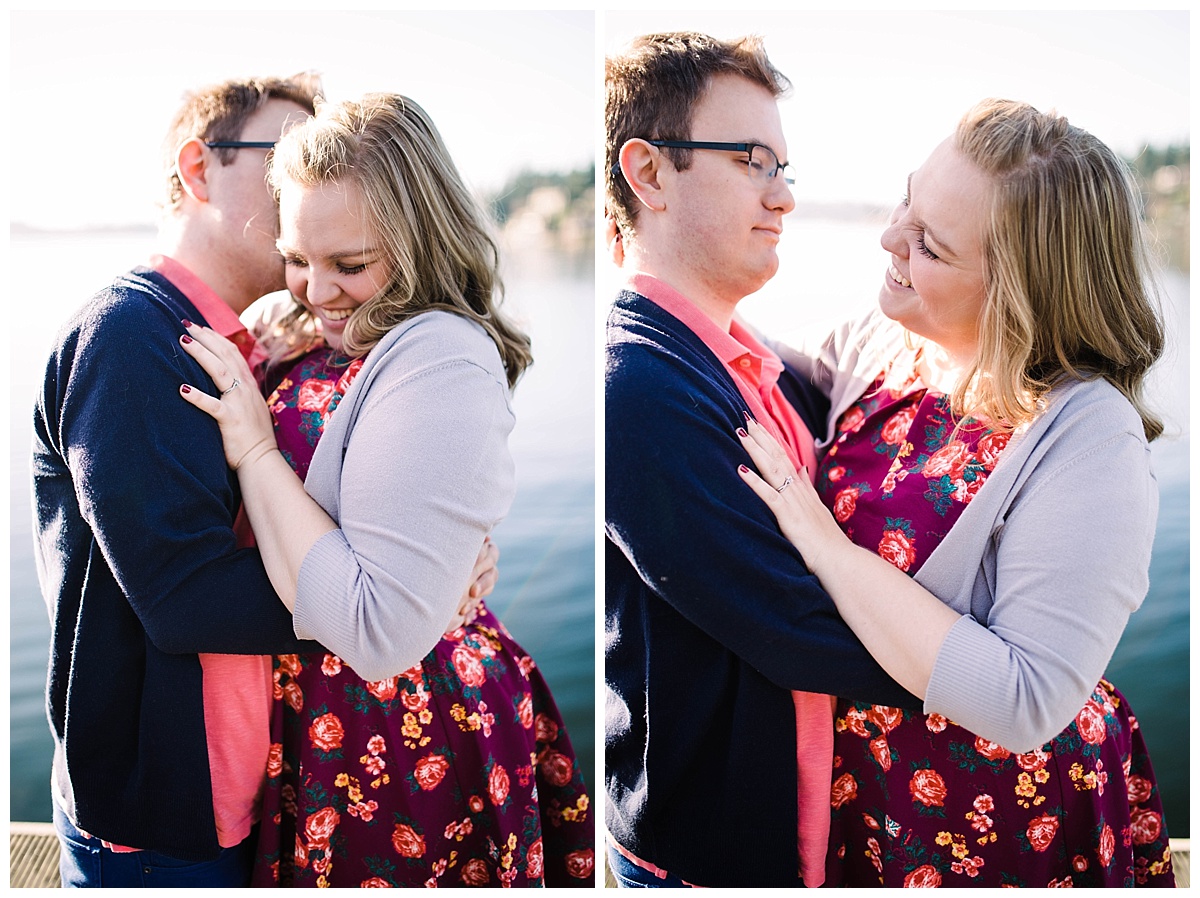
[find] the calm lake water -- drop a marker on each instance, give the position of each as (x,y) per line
(547,566)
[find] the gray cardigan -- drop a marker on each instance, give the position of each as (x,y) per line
(1046,563)
(414,466)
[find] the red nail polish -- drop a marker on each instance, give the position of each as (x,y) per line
(741,431)
(186,323)
(186,339)
(743,469)
(186,389)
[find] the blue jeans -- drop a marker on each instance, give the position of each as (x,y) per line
(630,876)
(85,863)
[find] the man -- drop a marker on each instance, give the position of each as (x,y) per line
(717,773)
(160,731)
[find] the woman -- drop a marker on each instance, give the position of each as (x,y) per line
(403,757)
(991,439)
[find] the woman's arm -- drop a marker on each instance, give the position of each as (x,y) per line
(905,632)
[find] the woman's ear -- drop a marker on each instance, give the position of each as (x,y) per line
(191,164)
(640,164)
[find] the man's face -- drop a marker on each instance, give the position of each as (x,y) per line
(242,198)
(724,227)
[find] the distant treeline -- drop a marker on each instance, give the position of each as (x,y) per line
(576,185)
(1164,175)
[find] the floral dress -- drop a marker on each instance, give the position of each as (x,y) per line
(918,801)
(456,772)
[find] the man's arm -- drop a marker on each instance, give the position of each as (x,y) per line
(700,540)
(151,482)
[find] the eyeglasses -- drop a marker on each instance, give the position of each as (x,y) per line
(239,144)
(763,164)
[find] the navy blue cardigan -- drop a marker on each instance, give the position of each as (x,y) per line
(134,508)
(711,618)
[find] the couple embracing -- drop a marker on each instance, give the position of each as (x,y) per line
(856,620)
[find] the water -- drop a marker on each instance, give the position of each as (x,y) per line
(831,270)
(547,566)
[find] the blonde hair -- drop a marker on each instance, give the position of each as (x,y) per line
(1066,268)
(434,234)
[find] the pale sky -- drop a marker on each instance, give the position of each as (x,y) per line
(91,93)
(875,92)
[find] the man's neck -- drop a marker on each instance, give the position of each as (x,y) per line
(204,261)
(717,309)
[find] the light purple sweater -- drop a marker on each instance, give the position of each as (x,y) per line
(415,468)
(1046,563)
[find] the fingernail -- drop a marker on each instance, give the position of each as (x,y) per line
(746,415)
(743,469)
(741,431)
(185,389)
(185,339)
(186,323)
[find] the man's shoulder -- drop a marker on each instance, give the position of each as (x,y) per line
(137,305)
(642,339)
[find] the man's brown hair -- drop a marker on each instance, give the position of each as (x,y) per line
(651,90)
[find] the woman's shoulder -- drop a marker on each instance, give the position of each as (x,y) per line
(1094,406)
(436,337)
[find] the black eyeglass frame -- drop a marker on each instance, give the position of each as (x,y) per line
(239,144)
(730,147)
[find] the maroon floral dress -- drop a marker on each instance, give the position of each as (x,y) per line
(456,772)
(918,801)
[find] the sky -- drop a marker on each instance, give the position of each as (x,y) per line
(875,92)
(93,92)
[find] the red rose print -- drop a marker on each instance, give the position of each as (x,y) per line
(320,826)
(525,711)
(475,872)
(556,768)
(1080,863)
(870,821)
(845,789)
(887,719)
(895,430)
(346,379)
(430,770)
(856,722)
(581,863)
(928,787)
(852,420)
(897,549)
(1033,760)
(1108,844)
(950,461)
(314,395)
(326,733)
(993,751)
(533,861)
(293,695)
(1139,789)
(1041,831)
(468,665)
(407,842)
(1147,826)
(475,804)
(924,877)
(1090,722)
(301,858)
(546,729)
(384,690)
(275,760)
(989,448)
(844,503)
(498,784)
(881,752)
(415,701)
(375,883)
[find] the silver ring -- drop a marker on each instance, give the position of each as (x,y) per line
(236,383)
(786,483)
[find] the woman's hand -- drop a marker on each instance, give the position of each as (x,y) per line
(483,580)
(804,520)
(246,427)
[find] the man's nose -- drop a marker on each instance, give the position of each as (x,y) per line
(779,195)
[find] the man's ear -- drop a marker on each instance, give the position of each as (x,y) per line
(641,164)
(192,160)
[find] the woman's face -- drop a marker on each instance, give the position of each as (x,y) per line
(934,285)
(333,263)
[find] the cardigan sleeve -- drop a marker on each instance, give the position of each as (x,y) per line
(150,480)
(426,475)
(704,544)
(1069,564)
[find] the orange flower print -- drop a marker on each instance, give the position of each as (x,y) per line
(881,752)
(557,768)
(851,420)
(1147,826)
(924,877)
(1032,761)
(407,841)
(546,729)
(896,428)
(1108,844)
(581,863)
(949,461)
(468,664)
(525,711)
(896,548)
(1139,789)
(384,690)
(375,883)
(1090,722)
(498,784)
(845,789)
(887,719)
(430,770)
(935,723)
(928,787)
(993,751)
(319,827)
(314,395)
(326,733)
(475,872)
(331,666)
(275,760)
(844,503)
(534,860)
(1041,831)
